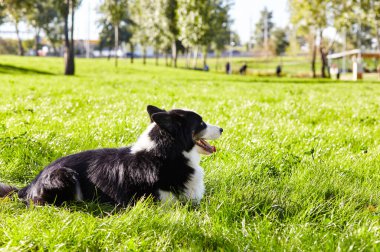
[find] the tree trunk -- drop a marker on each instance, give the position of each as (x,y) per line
(144,55)
(132,52)
(156,57)
(377,34)
(314,55)
(36,38)
(378,44)
(66,31)
(324,51)
(205,56)
(174,53)
(116,42)
(166,59)
(195,59)
(69,42)
(323,73)
(217,62)
(21,51)
(324,63)
(55,52)
(188,57)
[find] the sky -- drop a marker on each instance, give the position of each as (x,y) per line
(245,14)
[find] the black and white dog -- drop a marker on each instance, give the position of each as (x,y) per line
(163,164)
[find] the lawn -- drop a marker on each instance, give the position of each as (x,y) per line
(291,66)
(297,167)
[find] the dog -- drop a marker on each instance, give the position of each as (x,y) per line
(243,69)
(162,164)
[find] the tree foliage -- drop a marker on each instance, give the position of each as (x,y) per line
(2,14)
(357,22)
(44,16)
(264,25)
(313,16)
(171,14)
(107,33)
(281,40)
(115,11)
(203,23)
(16,11)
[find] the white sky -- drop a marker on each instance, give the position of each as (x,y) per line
(243,12)
(246,10)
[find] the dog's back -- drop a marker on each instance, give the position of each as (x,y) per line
(107,175)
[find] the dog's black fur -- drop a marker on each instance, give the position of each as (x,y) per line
(121,176)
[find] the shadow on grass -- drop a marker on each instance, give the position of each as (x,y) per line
(10,69)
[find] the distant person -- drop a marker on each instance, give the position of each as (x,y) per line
(228,68)
(278,70)
(334,70)
(243,69)
(206,68)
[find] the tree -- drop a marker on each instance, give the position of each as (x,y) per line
(40,16)
(311,16)
(141,12)
(263,28)
(171,15)
(190,23)
(216,25)
(16,10)
(152,26)
(375,20)
(201,23)
(54,31)
(115,11)
(222,35)
(2,14)
(67,9)
(356,19)
(158,27)
(280,39)
(107,33)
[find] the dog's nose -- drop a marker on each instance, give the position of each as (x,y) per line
(221,130)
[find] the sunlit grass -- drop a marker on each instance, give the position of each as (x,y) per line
(297,167)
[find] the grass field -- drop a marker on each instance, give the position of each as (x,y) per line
(291,66)
(297,167)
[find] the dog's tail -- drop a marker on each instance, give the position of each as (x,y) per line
(6,190)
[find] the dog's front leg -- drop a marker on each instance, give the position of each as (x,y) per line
(195,187)
(167,197)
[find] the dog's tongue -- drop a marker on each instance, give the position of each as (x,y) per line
(213,148)
(206,146)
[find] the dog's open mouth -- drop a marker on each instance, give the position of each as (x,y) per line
(209,149)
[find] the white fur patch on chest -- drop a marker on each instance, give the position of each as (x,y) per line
(194,186)
(144,143)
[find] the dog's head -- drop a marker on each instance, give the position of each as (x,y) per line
(187,127)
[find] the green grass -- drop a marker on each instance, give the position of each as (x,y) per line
(297,167)
(291,66)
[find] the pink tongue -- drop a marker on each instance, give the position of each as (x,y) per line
(209,147)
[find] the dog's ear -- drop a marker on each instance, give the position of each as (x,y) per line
(165,121)
(153,110)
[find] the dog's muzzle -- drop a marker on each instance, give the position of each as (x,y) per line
(211,132)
